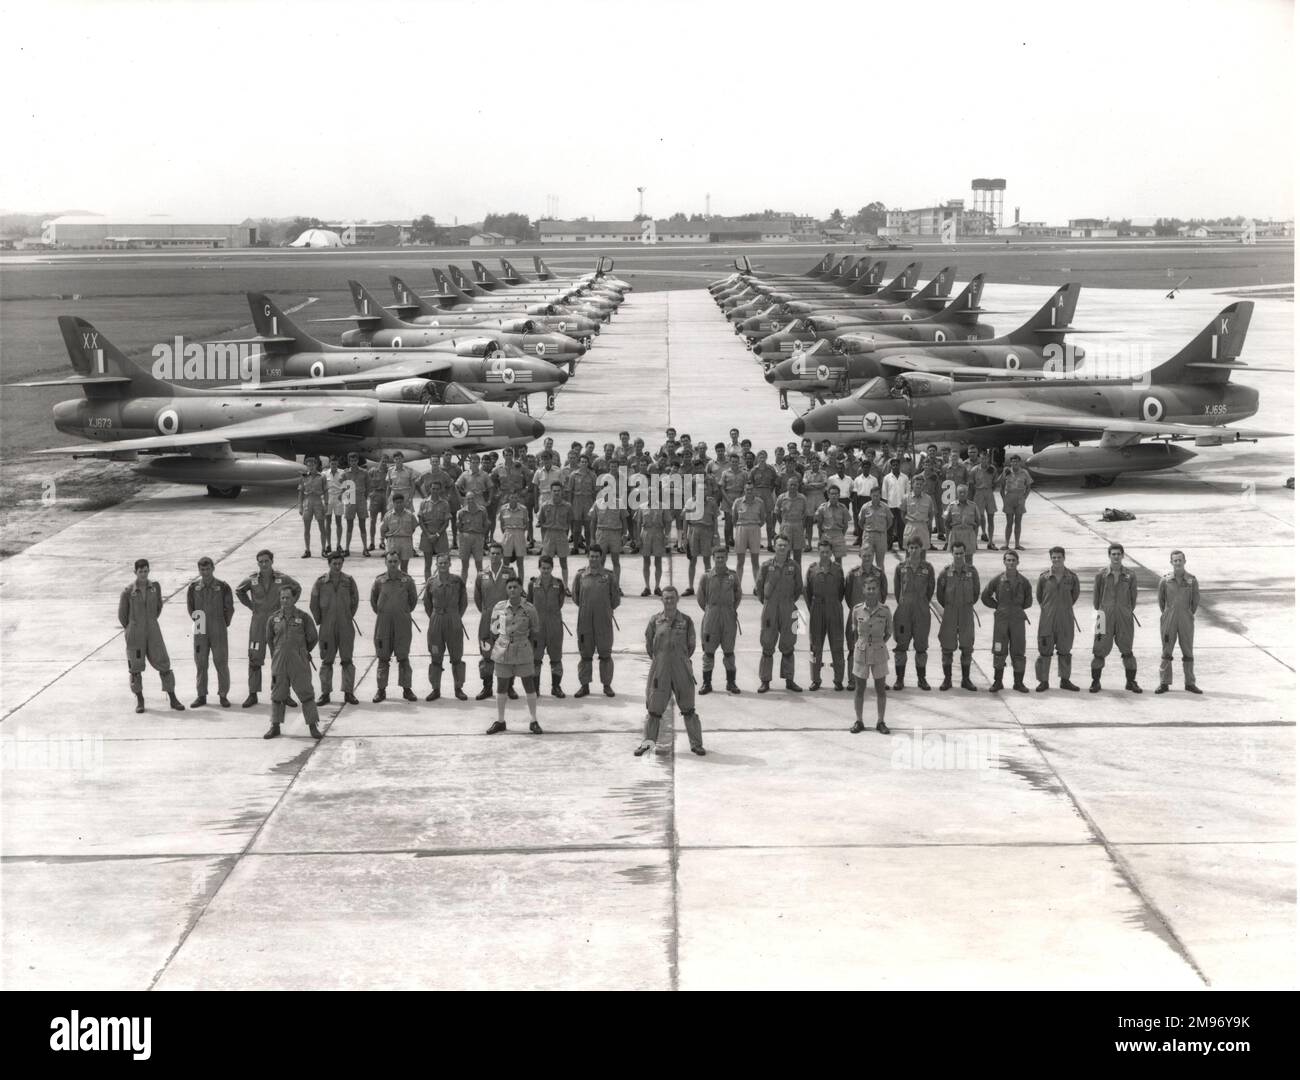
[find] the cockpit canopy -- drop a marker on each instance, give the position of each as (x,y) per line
(872,390)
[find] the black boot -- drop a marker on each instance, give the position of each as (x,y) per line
(1131,684)
(947,677)
(273,732)
(899,667)
(997,681)
(175,702)
(314,730)
(966,683)
(139,703)
(583,690)
(706,686)
(1018,684)
(732,688)
(920,677)
(486,692)
(556,692)
(324,699)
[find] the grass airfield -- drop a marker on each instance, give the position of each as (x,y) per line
(1042,840)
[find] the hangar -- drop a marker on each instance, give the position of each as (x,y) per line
(146,232)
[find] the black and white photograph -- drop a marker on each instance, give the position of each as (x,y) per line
(694,496)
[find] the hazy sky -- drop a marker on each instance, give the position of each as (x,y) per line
(378,110)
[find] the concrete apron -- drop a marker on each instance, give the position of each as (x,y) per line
(1042,840)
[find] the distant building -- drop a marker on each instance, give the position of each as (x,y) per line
(371,233)
(929,221)
(596,232)
(1032,229)
(730,231)
(681,232)
(145,233)
(1142,227)
(1092,228)
(491,239)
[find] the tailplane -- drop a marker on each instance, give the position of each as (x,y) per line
(1209,358)
(903,285)
(100,369)
(1050,324)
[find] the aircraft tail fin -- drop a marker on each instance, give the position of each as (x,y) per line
(448,293)
(870,275)
(463,282)
(1208,359)
(965,306)
(100,369)
(509,274)
(823,266)
(903,285)
(485,278)
(543,271)
(275,329)
(371,314)
(1050,324)
(409,302)
(936,291)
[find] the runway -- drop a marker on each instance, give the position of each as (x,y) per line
(994,841)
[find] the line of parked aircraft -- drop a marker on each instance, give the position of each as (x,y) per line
(891,364)
(423,375)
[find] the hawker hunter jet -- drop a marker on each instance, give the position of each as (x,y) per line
(414,309)
(293,359)
(377,327)
(602,274)
(750,319)
(451,297)
(224,440)
(485,279)
(1187,398)
(959,319)
(856,358)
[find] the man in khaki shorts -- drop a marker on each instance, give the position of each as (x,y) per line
(871,623)
(514,518)
(749,513)
(517,630)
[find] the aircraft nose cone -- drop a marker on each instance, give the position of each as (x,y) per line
(539,429)
(770,375)
(797,426)
(562,376)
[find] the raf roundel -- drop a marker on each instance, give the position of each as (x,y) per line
(458,427)
(318,369)
(1152,408)
(1013,362)
(871,423)
(168,422)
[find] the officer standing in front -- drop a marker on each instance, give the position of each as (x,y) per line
(334,603)
(871,622)
(858,590)
(1179,595)
(515,633)
(490,590)
(392,599)
(670,644)
(211,605)
(291,635)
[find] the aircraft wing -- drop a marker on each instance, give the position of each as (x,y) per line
(307,421)
(417,367)
(1036,414)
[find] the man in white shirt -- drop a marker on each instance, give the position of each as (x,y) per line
(894,488)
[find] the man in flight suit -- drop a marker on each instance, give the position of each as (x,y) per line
(597,595)
(546,593)
(434,517)
(670,644)
(1057,592)
(392,599)
(957,591)
(334,603)
(1179,595)
(445,602)
(1114,596)
(913,590)
(291,635)
(779,588)
(719,599)
(824,590)
(962,520)
(260,593)
(1009,594)
(211,605)
(138,609)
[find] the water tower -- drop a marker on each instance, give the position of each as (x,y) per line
(987,196)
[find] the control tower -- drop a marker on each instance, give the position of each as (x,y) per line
(987,196)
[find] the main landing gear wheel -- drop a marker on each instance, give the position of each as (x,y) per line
(1094,480)
(231,491)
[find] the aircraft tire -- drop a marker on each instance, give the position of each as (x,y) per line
(230,491)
